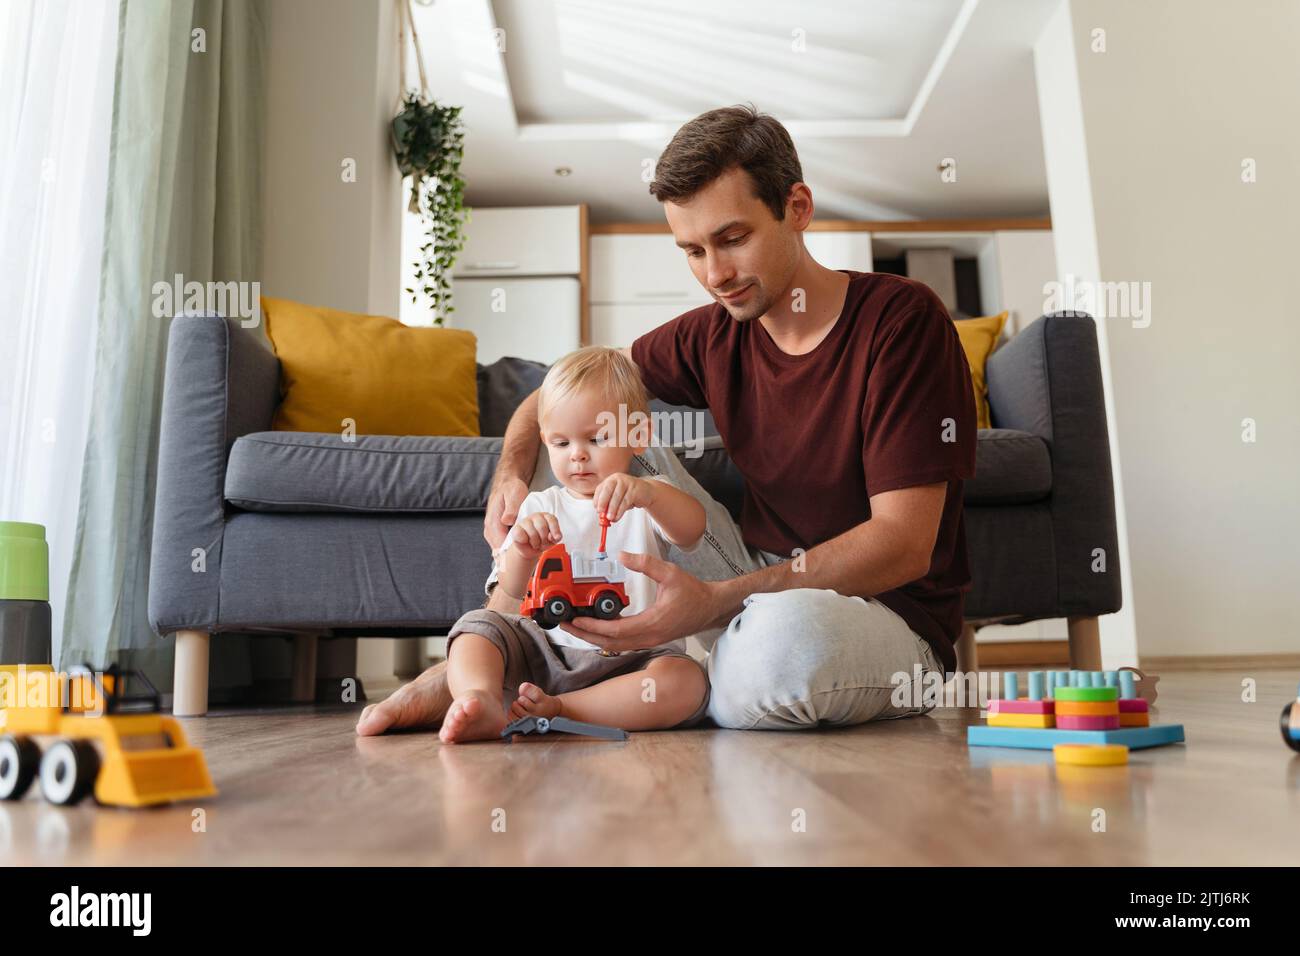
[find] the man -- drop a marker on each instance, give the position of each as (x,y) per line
(845,401)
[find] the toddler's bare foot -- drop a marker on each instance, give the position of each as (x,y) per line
(534,702)
(476,715)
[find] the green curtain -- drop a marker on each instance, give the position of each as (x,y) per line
(183,197)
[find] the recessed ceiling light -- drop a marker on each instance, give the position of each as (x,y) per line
(563,171)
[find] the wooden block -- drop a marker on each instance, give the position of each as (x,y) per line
(1135,720)
(1135,706)
(1091,755)
(1026,721)
(1088,708)
(1019,738)
(1088,723)
(1090,694)
(1000,706)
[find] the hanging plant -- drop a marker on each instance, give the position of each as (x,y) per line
(428,141)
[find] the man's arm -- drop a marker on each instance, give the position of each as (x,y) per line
(514,472)
(891,549)
(894,548)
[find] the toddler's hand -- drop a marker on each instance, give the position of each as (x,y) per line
(535,533)
(620,493)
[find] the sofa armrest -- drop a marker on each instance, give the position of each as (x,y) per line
(1047,381)
(222,381)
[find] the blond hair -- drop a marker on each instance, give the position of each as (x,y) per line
(594,367)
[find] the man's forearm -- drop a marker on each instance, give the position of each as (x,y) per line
(519,447)
(862,561)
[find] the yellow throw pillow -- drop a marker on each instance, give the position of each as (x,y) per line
(978,339)
(390,378)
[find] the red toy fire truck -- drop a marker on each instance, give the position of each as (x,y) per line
(565,586)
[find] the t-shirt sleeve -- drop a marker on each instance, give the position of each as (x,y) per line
(918,420)
(671,359)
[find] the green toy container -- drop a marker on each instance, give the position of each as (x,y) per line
(24,594)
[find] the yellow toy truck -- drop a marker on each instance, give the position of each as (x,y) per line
(117,745)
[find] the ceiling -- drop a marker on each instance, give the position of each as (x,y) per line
(876,94)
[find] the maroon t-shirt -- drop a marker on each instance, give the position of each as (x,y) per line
(883,402)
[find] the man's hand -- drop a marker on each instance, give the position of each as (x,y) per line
(502,510)
(620,493)
(684,605)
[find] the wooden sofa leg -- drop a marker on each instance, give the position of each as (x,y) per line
(967,654)
(1085,643)
(190,681)
(303,689)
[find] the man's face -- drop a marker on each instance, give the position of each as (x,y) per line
(735,245)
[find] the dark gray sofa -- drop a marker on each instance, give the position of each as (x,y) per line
(305,533)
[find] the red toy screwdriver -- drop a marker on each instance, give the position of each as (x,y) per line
(604,527)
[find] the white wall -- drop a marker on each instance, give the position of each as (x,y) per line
(1144,145)
(332,86)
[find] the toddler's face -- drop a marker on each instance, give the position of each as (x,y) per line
(570,433)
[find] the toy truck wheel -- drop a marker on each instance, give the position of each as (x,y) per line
(19,760)
(68,771)
(1286,729)
(558,610)
(607,606)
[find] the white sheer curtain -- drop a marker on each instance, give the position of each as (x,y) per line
(57,63)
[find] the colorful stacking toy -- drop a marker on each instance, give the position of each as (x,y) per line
(1072,707)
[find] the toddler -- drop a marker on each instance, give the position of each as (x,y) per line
(502,667)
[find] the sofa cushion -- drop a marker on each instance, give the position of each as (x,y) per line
(311,471)
(1011,467)
(386,377)
(502,386)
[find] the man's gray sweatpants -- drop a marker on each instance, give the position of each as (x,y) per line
(794,659)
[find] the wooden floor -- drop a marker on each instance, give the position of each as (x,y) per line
(297,787)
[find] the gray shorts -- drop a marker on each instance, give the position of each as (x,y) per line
(531,656)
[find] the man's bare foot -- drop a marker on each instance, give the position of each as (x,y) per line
(475,716)
(421,703)
(534,702)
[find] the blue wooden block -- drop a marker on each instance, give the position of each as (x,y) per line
(1021,738)
(1112,679)
(1127,685)
(1009,686)
(1098,679)
(1035,685)
(1075,677)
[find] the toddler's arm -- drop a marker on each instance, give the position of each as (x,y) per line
(679,516)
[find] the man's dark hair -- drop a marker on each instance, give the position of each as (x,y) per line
(722,139)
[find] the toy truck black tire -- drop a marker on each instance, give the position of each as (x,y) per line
(20,759)
(607,606)
(68,771)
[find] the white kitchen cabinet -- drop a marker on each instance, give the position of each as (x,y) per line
(646,269)
(619,324)
(840,250)
(521,241)
(535,318)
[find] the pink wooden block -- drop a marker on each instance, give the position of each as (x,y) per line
(1087,723)
(1135,706)
(1002,706)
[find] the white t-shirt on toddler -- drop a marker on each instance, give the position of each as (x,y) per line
(635,532)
